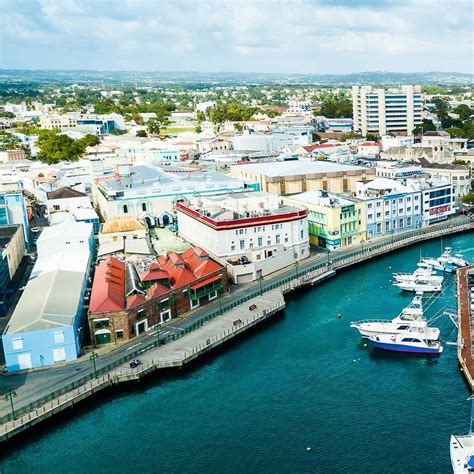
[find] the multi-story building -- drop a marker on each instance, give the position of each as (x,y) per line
(456,175)
(13,211)
(47,324)
(127,300)
(390,207)
(293,177)
(380,111)
(335,221)
(149,192)
(12,251)
(97,124)
(253,233)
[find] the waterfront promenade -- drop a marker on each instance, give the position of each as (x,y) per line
(465,324)
(45,388)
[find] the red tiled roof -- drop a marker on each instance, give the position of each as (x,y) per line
(205,282)
(108,289)
(152,275)
(156,290)
(154,266)
(377,144)
(181,276)
(204,267)
(134,300)
(176,258)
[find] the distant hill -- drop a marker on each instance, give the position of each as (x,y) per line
(232,78)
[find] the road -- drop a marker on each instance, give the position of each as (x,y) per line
(32,385)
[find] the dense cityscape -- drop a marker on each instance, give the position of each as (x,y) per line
(149,219)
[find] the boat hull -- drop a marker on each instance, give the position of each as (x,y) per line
(404,348)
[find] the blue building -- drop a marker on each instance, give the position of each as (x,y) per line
(47,324)
(173,154)
(391,207)
(13,211)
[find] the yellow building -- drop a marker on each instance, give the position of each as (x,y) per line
(292,177)
(334,221)
(12,248)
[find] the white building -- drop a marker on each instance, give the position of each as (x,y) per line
(148,191)
(379,111)
(389,141)
(252,233)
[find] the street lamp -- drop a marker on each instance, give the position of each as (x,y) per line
(220,303)
(260,280)
(93,357)
(362,243)
(10,396)
(296,268)
(327,253)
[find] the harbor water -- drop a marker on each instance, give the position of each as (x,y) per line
(303,380)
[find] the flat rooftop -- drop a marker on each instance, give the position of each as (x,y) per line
(297,167)
(6,234)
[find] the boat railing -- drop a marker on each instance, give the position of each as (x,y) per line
(362,321)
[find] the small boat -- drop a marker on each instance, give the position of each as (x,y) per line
(422,273)
(420,285)
(458,260)
(411,317)
(440,264)
(461,449)
(414,342)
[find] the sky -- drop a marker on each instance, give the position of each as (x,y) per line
(286,36)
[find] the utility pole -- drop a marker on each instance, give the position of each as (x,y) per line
(10,396)
(93,357)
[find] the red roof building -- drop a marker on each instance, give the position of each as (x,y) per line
(108,289)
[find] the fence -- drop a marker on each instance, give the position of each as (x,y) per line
(369,250)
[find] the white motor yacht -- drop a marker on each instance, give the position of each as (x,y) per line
(461,449)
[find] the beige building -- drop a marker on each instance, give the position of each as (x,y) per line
(12,247)
(380,111)
(293,177)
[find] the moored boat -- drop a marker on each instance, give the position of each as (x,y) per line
(420,285)
(411,317)
(461,449)
(413,342)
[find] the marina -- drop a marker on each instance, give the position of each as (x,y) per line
(303,354)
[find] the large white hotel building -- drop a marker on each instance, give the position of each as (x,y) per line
(381,111)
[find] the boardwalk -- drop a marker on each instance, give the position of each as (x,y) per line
(465,324)
(219,323)
(176,353)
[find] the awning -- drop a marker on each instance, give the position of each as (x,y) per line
(206,282)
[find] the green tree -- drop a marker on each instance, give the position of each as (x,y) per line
(426,126)
(463,111)
(456,132)
(141,134)
(336,106)
(198,129)
(54,148)
(89,140)
(468,198)
(153,126)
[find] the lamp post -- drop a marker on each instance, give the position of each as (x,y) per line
(362,243)
(93,357)
(220,302)
(260,280)
(296,268)
(327,253)
(10,396)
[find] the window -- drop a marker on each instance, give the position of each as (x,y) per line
(408,209)
(125,209)
(408,221)
(379,228)
(378,204)
(56,207)
(379,214)
(165,315)
(302,234)
(277,238)
(242,245)
(416,208)
(58,337)
(286,240)
(387,213)
(370,216)
(119,334)
(212,296)
(408,199)
(141,313)
(17,343)
(401,223)
(194,304)
(387,226)
(260,241)
(232,248)
(144,206)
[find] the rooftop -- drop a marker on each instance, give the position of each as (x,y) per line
(297,167)
(322,198)
(127,224)
(6,234)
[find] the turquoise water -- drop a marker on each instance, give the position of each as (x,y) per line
(303,380)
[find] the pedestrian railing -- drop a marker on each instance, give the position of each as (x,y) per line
(308,272)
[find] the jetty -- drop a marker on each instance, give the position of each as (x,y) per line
(222,322)
(465,282)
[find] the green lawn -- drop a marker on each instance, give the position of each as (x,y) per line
(173,130)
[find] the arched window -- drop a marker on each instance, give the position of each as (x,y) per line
(144,206)
(125,209)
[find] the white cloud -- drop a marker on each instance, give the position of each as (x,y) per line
(239,35)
